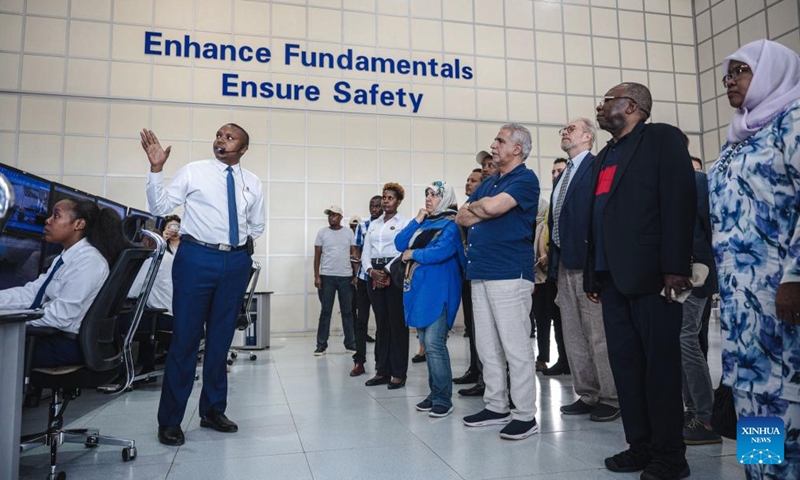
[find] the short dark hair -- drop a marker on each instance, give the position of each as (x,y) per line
(398,190)
(560,160)
(477,170)
(641,95)
(243,132)
(695,159)
(379,198)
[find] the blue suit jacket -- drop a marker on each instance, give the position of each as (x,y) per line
(573,222)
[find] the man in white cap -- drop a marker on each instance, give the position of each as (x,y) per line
(333,273)
(488,166)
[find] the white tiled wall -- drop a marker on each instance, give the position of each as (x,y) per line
(76,87)
(722,27)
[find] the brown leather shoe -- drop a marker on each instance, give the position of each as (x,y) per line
(358,369)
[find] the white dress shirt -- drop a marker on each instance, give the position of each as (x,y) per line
(379,241)
(161,293)
(203,188)
(576,163)
(69,294)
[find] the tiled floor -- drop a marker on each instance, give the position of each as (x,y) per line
(303,417)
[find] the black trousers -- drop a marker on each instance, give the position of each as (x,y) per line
(551,287)
(391,332)
(469,325)
(540,322)
(361,315)
(56,351)
(643,335)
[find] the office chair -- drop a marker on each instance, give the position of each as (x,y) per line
(107,354)
(244,320)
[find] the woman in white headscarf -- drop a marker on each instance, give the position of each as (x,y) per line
(433,254)
(754,190)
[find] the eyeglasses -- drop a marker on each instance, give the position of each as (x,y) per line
(568,129)
(735,73)
(609,98)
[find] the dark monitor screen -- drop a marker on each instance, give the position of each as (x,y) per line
(61,192)
(31,200)
(117,207)
(20,260)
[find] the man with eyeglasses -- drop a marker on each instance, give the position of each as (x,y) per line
(581,319)
(642,207)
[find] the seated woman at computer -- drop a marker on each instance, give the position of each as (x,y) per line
(160,294)
(92,241)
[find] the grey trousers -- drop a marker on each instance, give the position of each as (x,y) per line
(585,340)
(698,393)
(502,334)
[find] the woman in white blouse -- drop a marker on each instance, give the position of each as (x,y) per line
(92,240)
(379,252)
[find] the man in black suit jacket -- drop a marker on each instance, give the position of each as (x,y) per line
(640,242)
(581,319)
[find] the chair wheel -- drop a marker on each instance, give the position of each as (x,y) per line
(128,454)
(234,354)
(91,442)
(197,376)
(253,357)
(58,476)
(229,361)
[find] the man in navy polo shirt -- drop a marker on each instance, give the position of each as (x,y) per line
(499,216)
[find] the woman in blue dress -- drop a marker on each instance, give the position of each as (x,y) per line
(433,254)
(754,190)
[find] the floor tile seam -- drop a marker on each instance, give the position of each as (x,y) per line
(436,454)
(546,475)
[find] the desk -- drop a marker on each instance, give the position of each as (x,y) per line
(12,359)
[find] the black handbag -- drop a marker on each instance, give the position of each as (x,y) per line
(723,413)
(399,269)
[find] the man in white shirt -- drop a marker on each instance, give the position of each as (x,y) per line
(333,273)
(223,214)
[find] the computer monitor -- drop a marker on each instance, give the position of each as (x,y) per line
(31,201)
(117,207)
(61,192)
(20,260)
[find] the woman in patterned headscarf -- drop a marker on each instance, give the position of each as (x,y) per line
(754,190)
(433,254)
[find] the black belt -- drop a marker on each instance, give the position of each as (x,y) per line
(214,246)
(381,261)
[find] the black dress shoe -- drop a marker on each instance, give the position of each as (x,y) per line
(377,380)
(171,435)
(418,358)
(474,391)
(396,385)
(559,368)
(370,339)
(470,376)
(219,422)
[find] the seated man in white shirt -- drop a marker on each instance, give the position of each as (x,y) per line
(92,240)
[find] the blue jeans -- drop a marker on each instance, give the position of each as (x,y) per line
(440,376)
(330,286)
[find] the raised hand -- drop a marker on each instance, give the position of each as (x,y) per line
(156,155)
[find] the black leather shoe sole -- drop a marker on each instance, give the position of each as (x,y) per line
(467,378)
(376,381)
(172,436)
(395,386)
(224,428)
(472,392)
